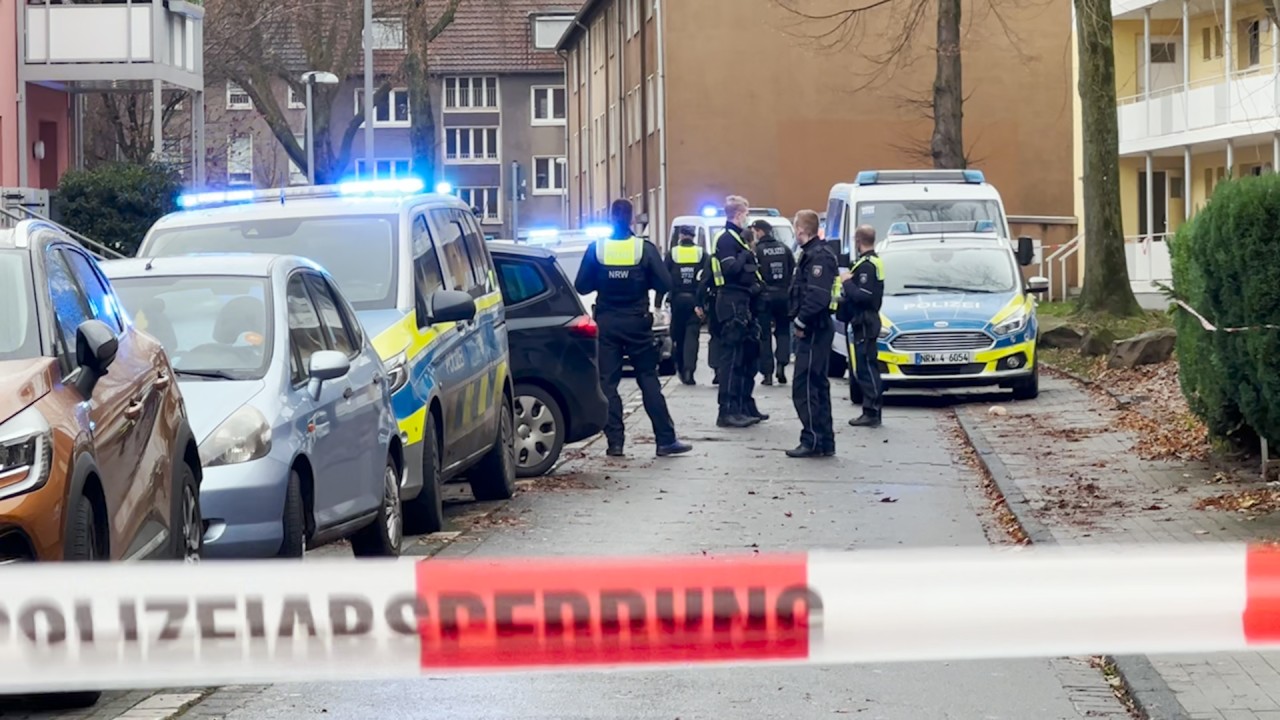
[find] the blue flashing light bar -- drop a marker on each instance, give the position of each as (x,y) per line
(599,231)
(984,226)
(943,227)
(215,198)
(401,186)
(544,234)
(710,211)
(912,177)
(444,188)
(899,228)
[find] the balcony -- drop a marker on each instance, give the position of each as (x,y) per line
(112,44)
(1210,110)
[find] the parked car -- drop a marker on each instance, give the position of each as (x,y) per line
(97,458)
(553,357)
(288,400)
(570,257)
(415,267)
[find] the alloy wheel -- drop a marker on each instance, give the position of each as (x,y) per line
(391,507)
(536,431)
(192,526)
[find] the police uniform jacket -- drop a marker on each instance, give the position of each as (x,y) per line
(621,272)
(687,265)
(810,297)
(863,293)
(737,263)
(777,264)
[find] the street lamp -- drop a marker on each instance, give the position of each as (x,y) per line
(310,79)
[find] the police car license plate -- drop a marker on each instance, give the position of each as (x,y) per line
(944,358)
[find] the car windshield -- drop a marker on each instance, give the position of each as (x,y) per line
(915,271)
(19,336)
(359,251)
(211,326)
(881,215)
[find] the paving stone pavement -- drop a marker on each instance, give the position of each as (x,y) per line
(1076,477)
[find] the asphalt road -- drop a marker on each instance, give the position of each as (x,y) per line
(899,485)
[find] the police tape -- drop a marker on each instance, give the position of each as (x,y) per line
(77,626)
(1204,323)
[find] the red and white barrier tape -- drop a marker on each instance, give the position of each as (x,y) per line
(1204,323)
(67,627)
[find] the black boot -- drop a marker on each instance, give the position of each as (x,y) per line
(735,421)
(686,377)
(615,451)
(715,379)
(782,374)
(865,420)
(768,379)
(803,451)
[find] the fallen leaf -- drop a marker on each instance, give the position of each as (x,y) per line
(998,410)
(787,513)
(887,499)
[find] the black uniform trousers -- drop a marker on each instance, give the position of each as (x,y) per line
(685,327)
(623,335)
(864,357)
(811,388)
(775,331)
(739,352)
(715,353)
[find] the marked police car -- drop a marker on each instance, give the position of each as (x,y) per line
(957,311)
(416,270)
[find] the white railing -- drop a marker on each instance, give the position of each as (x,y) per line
(132,31)
(1064,253)
(1223,108)
(1147,257)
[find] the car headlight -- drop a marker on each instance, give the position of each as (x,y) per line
(397,372)
(1013,324)
(26,452)
(885,331)
(240,438)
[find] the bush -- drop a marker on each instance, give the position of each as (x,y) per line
(116,204)
(1226,265)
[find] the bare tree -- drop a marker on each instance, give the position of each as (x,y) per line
(922,150)
(118,125)
(423,24)
(1106,272)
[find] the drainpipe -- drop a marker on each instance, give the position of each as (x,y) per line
(662,120)
(24,150)
(622,107)
(587,168)
(564,211)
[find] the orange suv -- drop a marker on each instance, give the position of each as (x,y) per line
(97,461)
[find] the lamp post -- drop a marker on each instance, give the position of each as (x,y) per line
(310,79)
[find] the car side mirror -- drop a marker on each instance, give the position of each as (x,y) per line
(450,306)
(1026,250)
(96,348)
(326,365)
(1038,284)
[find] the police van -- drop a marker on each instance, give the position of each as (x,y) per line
(957,311)
(881,198)
(708,225)
(415,268)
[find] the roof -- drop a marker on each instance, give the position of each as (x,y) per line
(485,38)
(229,264)
(587,10)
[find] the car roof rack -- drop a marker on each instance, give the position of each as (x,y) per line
(943,227)
(914,177)
(354,188)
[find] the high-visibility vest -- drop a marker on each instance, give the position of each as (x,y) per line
(620,253)
(835,294)
(875,260)
(687,254)
(716,275)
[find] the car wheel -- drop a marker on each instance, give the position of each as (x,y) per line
(539,433)
(294,520)
(382,537)
(188,530)
(1028,389)
(494,477)
(836,365)
(82,546)
(425,513)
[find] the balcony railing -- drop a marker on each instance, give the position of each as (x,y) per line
(67,33)
(1212,108)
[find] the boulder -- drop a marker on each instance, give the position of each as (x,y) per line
(1063,337)
(1145,349)
(1097,341)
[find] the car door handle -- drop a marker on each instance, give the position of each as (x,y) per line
(347,393)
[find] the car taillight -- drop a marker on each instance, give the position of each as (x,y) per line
(584,326)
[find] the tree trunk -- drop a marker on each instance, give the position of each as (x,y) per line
(947,144)
(1106,274)
(422,128)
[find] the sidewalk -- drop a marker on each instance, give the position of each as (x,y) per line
(1072,477)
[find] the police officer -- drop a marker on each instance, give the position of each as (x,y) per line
(687,263)
(734,272)
(812,298)
(861,295)
(776,267)
(621,270)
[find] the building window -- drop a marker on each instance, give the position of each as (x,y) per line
(648,9)
(388,34)
(1211,42)
(613,129)
(1163,53)
(296,175)
(549,176)
(650,103)
(383,169)
(392,111)
(237,98)
(483,199)
(471,93)
(470,144)
(633,17)
(296,101)
(548,106)
(1251,48)
(240,160)
(598,146)
(548,29)
(584,161)
(633,107)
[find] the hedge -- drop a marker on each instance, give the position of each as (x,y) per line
(115,204)
(1226,265)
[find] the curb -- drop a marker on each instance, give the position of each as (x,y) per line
(1151,695)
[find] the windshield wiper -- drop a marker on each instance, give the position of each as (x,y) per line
(947,288)
(207,374)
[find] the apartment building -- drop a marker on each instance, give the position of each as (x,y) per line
(53,52)
(675,104)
